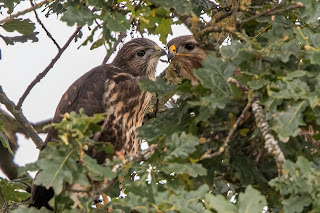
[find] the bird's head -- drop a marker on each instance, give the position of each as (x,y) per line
(139,57)
(184,54)
(184,48)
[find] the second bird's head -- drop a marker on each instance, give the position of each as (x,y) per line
(184,47)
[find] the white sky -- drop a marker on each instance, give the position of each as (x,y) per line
(22,62)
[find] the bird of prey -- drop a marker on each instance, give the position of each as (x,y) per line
(113,89)
(185,55)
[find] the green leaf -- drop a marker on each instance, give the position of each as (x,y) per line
(220,204)
(81,16)
(287,122)
(54,169)
(180,5)
(296,203)
(10,4)
(13,191)
(302,177)
(212,102)
(214,76)
(315,57)
(96,171)
(164,29)
(158,86)
(193,170)
(25,209)
(97,43)
(251,201)
(258,84)
(290,88)
(236,53)
(23,38)
(5,142)
(283,50)
(23,26)
(182,146)
(310,11)
(117,23)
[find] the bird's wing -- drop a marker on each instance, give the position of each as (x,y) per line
(87,93)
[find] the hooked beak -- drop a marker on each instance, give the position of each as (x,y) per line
(160,51)
(170,55)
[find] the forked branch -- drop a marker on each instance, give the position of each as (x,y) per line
(17,113)
(47,69)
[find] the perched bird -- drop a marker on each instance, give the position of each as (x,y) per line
(185,55)
(113,89)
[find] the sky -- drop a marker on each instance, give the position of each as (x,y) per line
(22,62)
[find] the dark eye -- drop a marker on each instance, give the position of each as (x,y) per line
(189,46)
(141,53)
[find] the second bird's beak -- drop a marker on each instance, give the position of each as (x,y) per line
(170,55)
(161,51)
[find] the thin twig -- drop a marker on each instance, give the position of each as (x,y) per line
(223,16)
(114,48)
(236,6)
(272,12)
(43,27)
(17,113)
(43,73)
(225,144)
(231,30)
(9,18)
(238,84)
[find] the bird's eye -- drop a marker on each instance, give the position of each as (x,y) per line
(189,46)
(141,53)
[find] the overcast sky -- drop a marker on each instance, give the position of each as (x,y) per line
(22,62)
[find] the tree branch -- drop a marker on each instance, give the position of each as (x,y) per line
(272,12)
(24,11)
(225,144)
(43,27)
(238,84)
(17,113)
(47,69)
(12,125)
(114,48)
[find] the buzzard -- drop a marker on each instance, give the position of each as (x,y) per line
(185,55)
(113,89)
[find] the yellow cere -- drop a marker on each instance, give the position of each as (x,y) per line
(172,48)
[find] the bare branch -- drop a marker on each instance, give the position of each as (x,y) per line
(114,48)
(231,30)
(47,69)
(12,125)
(43,27)
(9,18)
(225,144)
(17,113)
(272,12)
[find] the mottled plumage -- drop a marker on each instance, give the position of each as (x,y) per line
(111,88)
(185,55)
